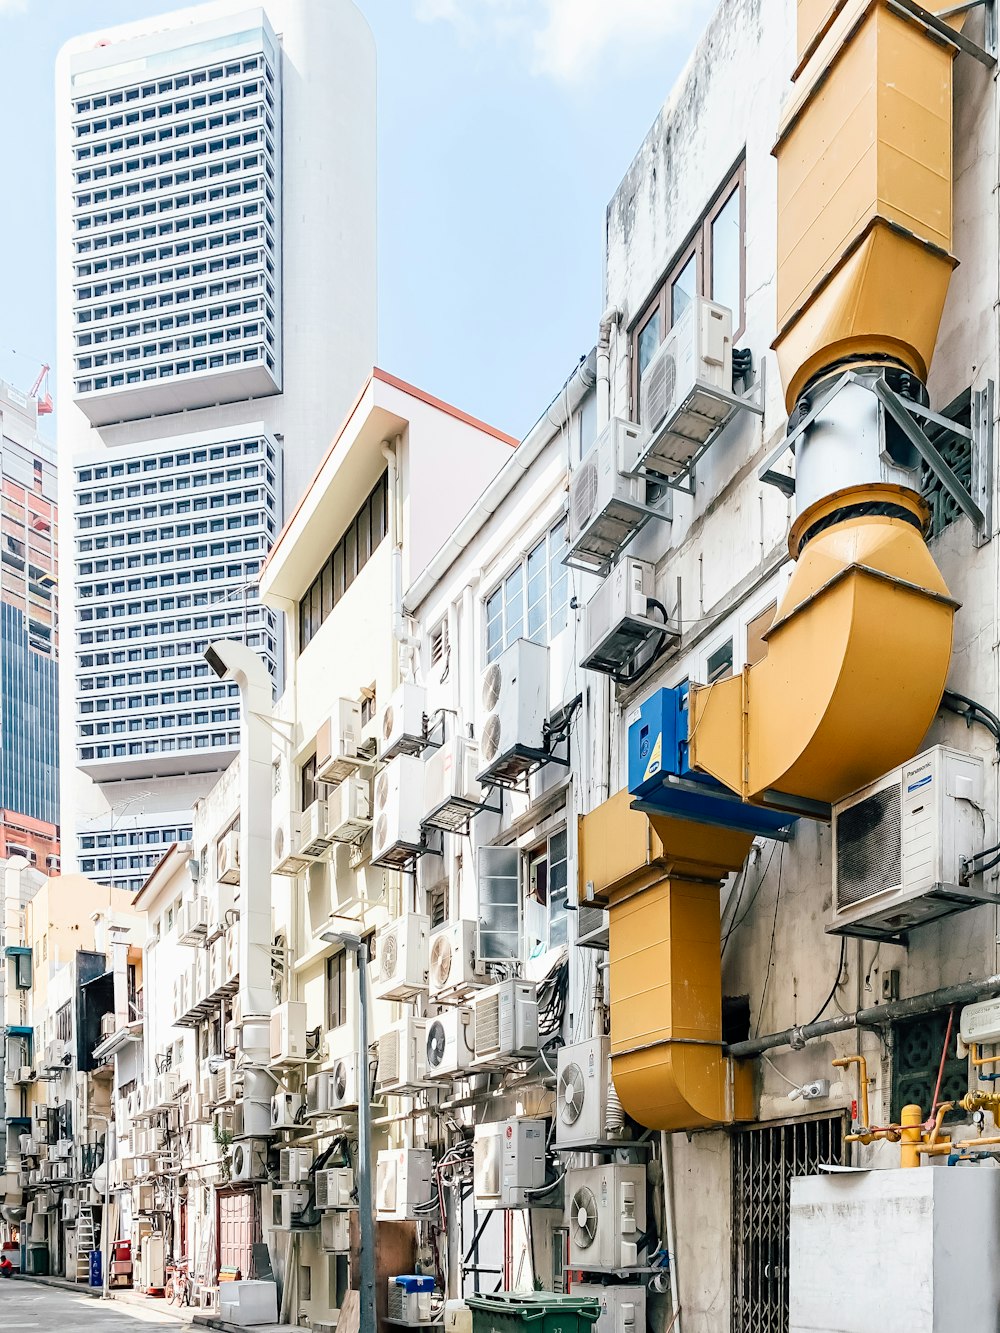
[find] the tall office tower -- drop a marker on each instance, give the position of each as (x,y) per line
(29,638)
(217,314)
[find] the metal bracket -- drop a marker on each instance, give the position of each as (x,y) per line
(986,55)
(904,413)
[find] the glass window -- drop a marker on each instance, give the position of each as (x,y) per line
(499,903)
(683,289)
(531,602)
(727,252)
(513,603)
(494,625)
(336,990)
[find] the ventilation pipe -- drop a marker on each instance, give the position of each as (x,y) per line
(858,653)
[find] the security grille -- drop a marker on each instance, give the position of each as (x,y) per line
(869,847)
(766,1159)
(917,1044)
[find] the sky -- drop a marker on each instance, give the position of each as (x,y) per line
(504,128)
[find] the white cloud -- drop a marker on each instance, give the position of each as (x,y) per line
(566,40)
(13,6)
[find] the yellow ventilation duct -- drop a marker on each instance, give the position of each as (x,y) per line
(858,654)
(859,651)
(660,879)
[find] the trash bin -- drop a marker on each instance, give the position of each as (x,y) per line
(532,1312)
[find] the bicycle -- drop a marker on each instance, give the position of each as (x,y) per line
(178,1289)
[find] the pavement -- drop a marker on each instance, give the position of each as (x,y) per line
(49,1303)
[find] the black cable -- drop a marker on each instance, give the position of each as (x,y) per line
(739,899)
(770,950)
(753,898)
(836,983)
(972,712)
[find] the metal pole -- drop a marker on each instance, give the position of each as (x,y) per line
(967,992)
(364,1172)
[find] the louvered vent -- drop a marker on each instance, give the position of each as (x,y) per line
(868,848)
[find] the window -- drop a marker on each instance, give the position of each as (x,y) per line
(310,787)
(546,880)
(499,903)
(720,663)
(336,990)
(64,1023)
(439,643)
(712,264)
(345,562)
(531,601)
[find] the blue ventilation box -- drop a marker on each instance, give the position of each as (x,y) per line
(662,781)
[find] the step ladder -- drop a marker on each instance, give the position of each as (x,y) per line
(84,1242)
(203,1284)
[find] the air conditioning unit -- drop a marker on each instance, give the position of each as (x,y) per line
(230,1038)
(607,505)
(108,1025)
(454,967)
(591,927)
(334,1187)
(449,1042)
(294,1165)
(402,956)
(452,793)
(508,1163)
(505,1022)
(288,1034)
(620,630)
(899,846)
(402,1056)
(314,831)
(687,389)
(192,920)
(317,1095)
(227,858)
(397,811)
(402,1182)
(286,1109)
(606,1215)
(335,1233)
(70,1210)
(337,743)
(344,1083)
(408,1299)
(287,1208)
(249,1160)
(144,1198)
(404,722)
(350,810)
(583,1075)
(25,1074)
(285,856)
(514,695)
(64,1149)
(182,997)
(623,1308)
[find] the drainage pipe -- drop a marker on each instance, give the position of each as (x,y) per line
(966,992)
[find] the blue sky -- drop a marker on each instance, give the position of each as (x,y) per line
(504,127)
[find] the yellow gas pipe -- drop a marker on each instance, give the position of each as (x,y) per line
(867,1133)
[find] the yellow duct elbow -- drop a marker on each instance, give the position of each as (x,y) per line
(857,660)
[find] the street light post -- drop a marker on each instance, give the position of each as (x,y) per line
(359,948)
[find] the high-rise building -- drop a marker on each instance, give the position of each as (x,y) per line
(216,251)
(29,638)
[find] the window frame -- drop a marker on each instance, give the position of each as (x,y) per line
(336,979)
(519,570)
(697,244)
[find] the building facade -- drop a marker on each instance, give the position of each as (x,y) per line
(203,192)
(29,637)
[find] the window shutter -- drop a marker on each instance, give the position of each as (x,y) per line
(499,887)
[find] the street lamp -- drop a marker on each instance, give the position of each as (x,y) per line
(356,945)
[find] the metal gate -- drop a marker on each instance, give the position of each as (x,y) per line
(766,1158)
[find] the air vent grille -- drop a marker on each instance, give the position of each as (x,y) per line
(869,847)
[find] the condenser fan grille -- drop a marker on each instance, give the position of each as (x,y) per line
(492,732)
(492,681)
(388,719)
(584,495)
(381,831)
(382,791)
(571,1093)
(441,955)
(436,1044)
(279,842)
(660,386)
(583,1216)
(340,1080)
(388,956)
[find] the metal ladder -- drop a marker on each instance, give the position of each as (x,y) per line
(84,1242)
(201,1277)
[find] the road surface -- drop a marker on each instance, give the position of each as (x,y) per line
(28,1306)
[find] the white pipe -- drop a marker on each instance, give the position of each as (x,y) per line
(549,424)
(391,453)
(609,320)
(667,1171)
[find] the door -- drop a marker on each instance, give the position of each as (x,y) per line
(765,1160)
(237,1227)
